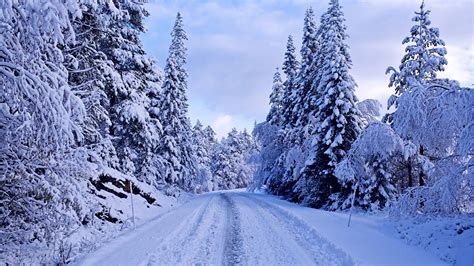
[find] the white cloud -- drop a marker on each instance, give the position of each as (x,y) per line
(222,125)
(460,65)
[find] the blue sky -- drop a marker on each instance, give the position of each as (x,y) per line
(235,45)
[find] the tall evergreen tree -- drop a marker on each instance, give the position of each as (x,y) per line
(86,65)
(134,133)
(275,116)
(339,117)
(204,143)
(176,146)
(305,99)
(152,163)
(290,68)
(424,57)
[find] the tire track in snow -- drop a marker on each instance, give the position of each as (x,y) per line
(266,241)
(179,238)
(321,250)
(209,237)
(233,251)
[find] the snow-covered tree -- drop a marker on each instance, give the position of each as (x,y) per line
(152,163)
(286,137)
(86,65)
(438,108)
(42,170)
(266,173)
(133,130)
(176,145)
(306,99)
(339,117)
(231,166)
(368,167)
(204,144)
(424,57)
(275,116)
(290,68)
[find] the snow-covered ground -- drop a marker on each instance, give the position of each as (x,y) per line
(257,229)
(450,238)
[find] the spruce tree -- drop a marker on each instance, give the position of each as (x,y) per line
(424,57)
(203,145)
(176,145)
(231,160)
(134,133)
(370,166)
(306,99)
(87,65)
(290,68)
(275,116)
(339,117)
(152,163)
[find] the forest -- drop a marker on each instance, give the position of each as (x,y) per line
(90,121)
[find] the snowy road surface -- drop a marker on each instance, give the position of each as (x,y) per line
(255,229)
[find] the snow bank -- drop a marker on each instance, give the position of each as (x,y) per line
(370,240)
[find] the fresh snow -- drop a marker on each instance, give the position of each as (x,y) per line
(237,227)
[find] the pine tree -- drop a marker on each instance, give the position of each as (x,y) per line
(231,167)
(293,183)
(134,133)
(306,99)
(152,163)
(338,115)
(203,145)
(290,68)
(210,134)
(275,116)
(176,146)
(287,136)
(378,188)
(424,58)
(370,167)
(86,67)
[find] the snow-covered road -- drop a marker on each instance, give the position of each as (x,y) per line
(254,229)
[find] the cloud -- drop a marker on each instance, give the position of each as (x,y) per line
(222,124)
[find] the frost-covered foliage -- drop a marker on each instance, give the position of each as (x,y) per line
(265,134)
(324,118)
(337,115)
(79,122)
(438,119)
(176,146)
(421,162)
(41,165)
(290,68)
(424,58)
(231,162)
(204,145)
(275,116)
(86,65)
(135,133)
(368,166)
(305,98)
